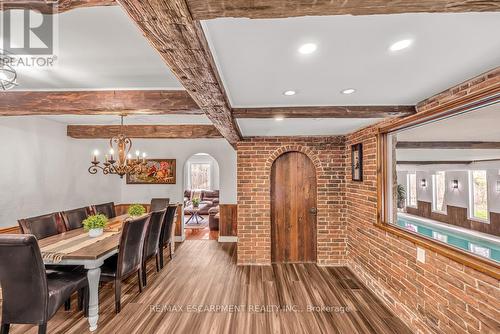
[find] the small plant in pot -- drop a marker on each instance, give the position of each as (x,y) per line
(136,210)
(196,202)
(401,196)
(95,224)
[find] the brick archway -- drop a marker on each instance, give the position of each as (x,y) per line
(293,148)
(255,160)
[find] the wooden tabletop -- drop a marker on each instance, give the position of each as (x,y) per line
(93,251)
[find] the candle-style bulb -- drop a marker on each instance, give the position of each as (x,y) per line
(111,151)
(144,155)
(96,153)
(137,153)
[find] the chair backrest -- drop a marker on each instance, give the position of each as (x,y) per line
(152,237)
(168,221)
(73,218)
(131,244)
(107,209)
(158,204)
(42,226)
(23,280)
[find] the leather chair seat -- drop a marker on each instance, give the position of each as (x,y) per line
(61,285)
(108,269)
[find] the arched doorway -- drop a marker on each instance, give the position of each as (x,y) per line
(293,209)
(201,197)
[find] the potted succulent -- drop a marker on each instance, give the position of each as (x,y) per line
(136,210)
(196,202)
(401,196)
(95,224)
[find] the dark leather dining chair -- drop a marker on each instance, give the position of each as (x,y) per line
(128,261)
(107,209)
(73,218)
(30,295)
(166,232)
(42,226)
(158,204)
(151,241)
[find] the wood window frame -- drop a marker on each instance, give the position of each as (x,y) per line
(486,266)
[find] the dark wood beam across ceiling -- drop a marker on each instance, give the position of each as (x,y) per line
(267,9)
(169,27)
(325,112)
(143,131)
(450,145)
(130,102)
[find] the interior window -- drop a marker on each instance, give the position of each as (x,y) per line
(479,195)
(443,185)
(200,176)
(412,190)
(438,190)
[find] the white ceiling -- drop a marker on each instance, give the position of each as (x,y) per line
(99,48)
(258,59)
(482,124)
(302,126)
(479,125)
(131,119)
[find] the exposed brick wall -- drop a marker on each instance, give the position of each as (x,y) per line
(489,81)
(440,296)
(255,158)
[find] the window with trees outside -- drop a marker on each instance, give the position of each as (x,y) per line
(438,190)
(478,195)
(200,176)
(412,190)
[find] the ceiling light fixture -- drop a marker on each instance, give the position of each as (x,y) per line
(289,92)
(279,118)
(348,91)
(307,48)
(400,45)
(122,163)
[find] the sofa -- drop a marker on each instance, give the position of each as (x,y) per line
(210,199)
(213,218)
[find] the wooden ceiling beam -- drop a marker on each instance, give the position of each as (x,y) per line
(449,145)
(143,131)
(47,6)
(325,112)
(169,27)
(267,9)
(154,102)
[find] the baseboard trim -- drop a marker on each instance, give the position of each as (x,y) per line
(227,239)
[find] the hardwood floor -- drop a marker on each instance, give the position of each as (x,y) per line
(205,273)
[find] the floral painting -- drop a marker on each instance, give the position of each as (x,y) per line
(156,171)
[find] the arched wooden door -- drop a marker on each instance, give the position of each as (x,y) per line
(293,209)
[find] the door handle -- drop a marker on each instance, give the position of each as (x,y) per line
(313,211)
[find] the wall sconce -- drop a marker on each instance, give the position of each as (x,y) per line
(423,183)
(454,184)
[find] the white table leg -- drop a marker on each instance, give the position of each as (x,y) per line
(93,275)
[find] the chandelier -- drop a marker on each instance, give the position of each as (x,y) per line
(8,76)
(123,163)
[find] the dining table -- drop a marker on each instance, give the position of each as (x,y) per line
(91,254)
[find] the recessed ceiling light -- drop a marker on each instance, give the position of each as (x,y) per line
(279,118)
(307,48)
(348,91)
(400,45)
(289,92)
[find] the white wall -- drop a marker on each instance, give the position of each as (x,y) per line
(43,170)
(181,150)
(456,197)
